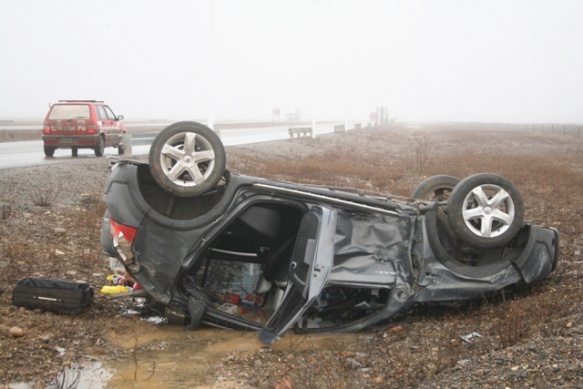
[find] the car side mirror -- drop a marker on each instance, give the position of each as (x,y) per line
(119,117)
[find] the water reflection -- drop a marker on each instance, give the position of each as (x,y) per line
(169,356)
(87,374)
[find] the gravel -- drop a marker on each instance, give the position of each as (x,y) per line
(50,228)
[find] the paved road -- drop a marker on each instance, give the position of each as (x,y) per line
(21,154)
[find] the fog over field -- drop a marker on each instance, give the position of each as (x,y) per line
(448,60)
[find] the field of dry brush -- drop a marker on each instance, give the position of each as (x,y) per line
(50,223)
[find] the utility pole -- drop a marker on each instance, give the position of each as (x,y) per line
(211,108)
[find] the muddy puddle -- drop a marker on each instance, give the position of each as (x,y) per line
(169,356)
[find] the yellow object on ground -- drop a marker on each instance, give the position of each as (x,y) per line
(115,289)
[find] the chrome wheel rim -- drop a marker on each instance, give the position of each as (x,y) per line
(488,211)
(187,159)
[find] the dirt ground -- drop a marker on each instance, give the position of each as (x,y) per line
(51,217)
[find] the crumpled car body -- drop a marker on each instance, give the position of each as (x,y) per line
(266,255)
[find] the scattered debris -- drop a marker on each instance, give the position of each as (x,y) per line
(468,338)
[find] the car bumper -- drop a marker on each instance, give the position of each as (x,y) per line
(71,141)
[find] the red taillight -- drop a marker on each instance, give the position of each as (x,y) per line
(92,129)
(123,237)
(47,130)
(121,230)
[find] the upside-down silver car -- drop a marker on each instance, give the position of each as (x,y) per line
(220,248)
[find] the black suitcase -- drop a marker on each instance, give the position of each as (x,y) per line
(52,295)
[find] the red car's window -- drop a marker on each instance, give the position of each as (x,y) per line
(110,114)
(71,111)
(101,112)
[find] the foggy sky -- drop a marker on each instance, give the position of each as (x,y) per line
(451,60)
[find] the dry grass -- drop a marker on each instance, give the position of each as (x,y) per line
(547,169)
(50,241)
(19,135)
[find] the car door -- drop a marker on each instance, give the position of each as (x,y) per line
(311,262)
(104,122)
(112,131)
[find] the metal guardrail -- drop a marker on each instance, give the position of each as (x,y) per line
(299,132)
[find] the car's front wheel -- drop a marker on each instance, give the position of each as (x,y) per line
(100,148)
(485,210)
(74,151)
(120,149)
(49,151)
(187,159)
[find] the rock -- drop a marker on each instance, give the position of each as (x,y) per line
(395,329)
(284,384)
(353,363)
(16,332)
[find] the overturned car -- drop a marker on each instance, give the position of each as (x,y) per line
(230,250)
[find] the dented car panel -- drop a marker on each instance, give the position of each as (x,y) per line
(266,255)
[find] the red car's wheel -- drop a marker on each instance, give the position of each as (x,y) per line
(49,151)
(100,148)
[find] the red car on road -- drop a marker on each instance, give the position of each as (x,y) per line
(76,124)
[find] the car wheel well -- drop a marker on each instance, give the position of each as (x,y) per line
(456,256)
(174,207)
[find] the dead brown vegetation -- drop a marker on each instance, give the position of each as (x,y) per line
(53,239)
(19,135)
(546,168)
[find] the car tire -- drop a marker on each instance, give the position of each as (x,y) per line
(120,149)
(49,151)
(100,148)
(74,151)
(435,188)
(485,210)
(187,159)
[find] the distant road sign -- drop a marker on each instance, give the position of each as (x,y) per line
(276,111)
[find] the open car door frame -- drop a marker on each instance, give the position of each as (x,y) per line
(312,259)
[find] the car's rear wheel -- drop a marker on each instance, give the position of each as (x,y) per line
(49,151)
(74,151)
(436,188)
(485,210)
(187,159)
(100,148)
(120,149)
